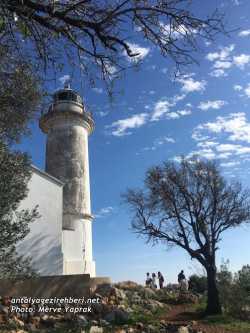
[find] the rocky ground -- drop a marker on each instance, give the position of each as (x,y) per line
(124,308)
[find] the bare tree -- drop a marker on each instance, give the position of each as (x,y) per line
(190,205)
(101,32)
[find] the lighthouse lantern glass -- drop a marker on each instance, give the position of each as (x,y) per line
(67,95)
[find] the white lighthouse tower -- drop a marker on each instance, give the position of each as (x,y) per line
(68,125)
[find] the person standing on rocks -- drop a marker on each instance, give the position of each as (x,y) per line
(148,280)
(161,280)
(182,281)
(154,285)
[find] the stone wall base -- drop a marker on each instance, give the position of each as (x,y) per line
(75,286)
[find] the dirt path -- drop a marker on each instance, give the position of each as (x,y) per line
(184,315)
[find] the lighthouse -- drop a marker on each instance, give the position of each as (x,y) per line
(67,125)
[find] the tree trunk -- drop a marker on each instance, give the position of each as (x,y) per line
(213,302)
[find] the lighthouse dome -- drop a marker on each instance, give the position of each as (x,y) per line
(67,95)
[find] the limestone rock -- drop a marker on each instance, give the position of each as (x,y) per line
(31,328)
(188,298)
(148,293)
(153,305)
(117,316)
(104,323)
(82,320)
(139,326)
(4,309)
(151,329)
(105,290)
(96,329)
(183,329)
(17,322)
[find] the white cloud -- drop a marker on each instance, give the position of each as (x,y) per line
(103,114)
(165,139)
(159,142)
(229,164)
(235,125)
(173,31)
(191,85)
(218,73)
(108,68)
(137,49)
(104,211)
(98,90)
(63,79)
(205,153)
(217,104)
(160,109)
(222,64)
(244,33)
(164,70)
(212,150)
(236,149)
(247,90)
(237,87)
(222,55)
(121,127)
(242,60)
(206,144)
(184,112)
(172,115)
(224,60)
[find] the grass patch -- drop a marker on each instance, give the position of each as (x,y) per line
(224,321)
(147,318)
(228,323)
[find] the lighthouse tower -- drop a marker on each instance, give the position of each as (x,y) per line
(68,125)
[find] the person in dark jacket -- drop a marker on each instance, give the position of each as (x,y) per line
(148,280)
(161,280)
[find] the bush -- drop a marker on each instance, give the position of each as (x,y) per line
(235,291)
(197,284)
(225,286)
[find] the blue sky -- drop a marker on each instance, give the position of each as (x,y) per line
(153,119)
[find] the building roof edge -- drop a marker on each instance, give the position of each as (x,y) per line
(46,175)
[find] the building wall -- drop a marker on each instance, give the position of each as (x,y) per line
(44,242)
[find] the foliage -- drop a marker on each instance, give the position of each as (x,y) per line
(198,284)
(235,291)
(19,96)
(189,205)
(98,32)
(15,174)
(225,281)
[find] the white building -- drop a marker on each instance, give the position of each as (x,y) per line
(60,241)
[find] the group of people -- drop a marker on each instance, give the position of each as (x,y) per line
(151,280)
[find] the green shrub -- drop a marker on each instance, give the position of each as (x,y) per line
(235,291)
(197,284)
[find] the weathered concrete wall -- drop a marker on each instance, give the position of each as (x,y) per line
(67,160)
(48,287)
(44,242)
(76,245)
